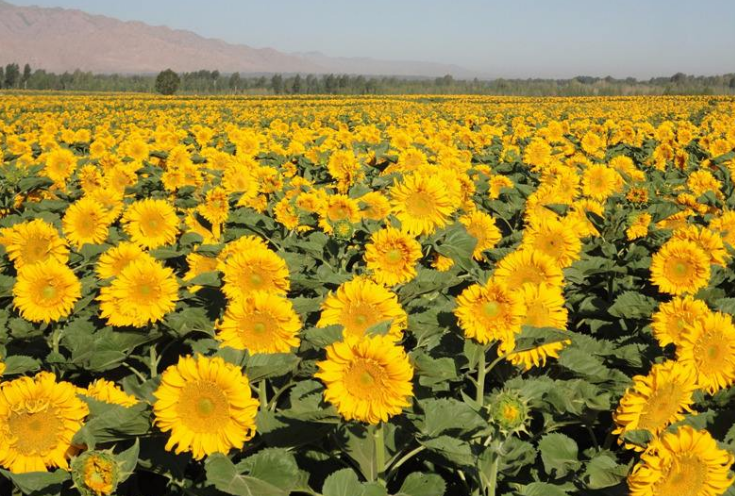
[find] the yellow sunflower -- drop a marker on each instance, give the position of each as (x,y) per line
(358,305)
(482,227)
(109,392)
(151,223)
(115,259)
(368,380)
(489,313)
(543,307)
(421,203)
(673,317)
(709,241)
(260,323)
(527,266)
(243,243)
(391,256)
(682,463)
(600,181)
(638,227)
(38,418)
(46,291)
(143,293)
(86,221)
(679,267)
(256,269)
(708,346)
(554,238)
(657,400)
(35,241)
(207,406)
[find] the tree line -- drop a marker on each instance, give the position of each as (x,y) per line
(215,82)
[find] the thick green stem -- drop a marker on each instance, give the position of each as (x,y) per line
(492,485)
(379,440)
(480,397)
(262,395)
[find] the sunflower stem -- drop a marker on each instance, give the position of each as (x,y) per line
(262,395)
(492,485)
(481,378)
(379,439)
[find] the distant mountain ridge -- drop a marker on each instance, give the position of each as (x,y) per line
(61,40)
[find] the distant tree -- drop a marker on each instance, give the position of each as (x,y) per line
(679,78)
(26,75)
(296,86)
(732,82)
(2,76)
(12,75)
(167,82)
(277,84)
(330,84)
(235,82)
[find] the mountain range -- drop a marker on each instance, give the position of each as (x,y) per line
(59,40)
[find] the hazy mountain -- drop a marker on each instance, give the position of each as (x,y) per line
(61,40)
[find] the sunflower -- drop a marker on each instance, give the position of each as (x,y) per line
(679,267)
(687,462)
(375,205)
(260,323)
(241,244)
(543,307)
(38,418)
(638,227)
(537,154)
(60,165)
(109,392)
(216,206)
(360,304)
(85,221)
(489,313)
(600,181)
(35,241)
(256,269)
(115,259)
(368,380)
(657,400)
(527,266)
(421,203)
(391,256)
(151,223)
(46,291)
(708,346)
(554,238)
(673,317)
(95,473)
(207,406)
(709,241)
(442,263)
(482,227)
(143,293)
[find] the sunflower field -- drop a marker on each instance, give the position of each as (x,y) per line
(406,296)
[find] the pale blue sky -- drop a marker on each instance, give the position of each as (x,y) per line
(509,38)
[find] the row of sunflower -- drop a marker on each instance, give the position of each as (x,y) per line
(401,295)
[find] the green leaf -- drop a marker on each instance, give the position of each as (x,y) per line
(190,319)
(223,474)
(418,484)
(604,471)
(273,465)
(448,415)
(458,245)
(541,489)
(210,279)
(109,423)
(273,365)
(357,443)
(453,449)
(342,483)
(20,364)
(129,460)
(639,437)
(38,483)
(632,305)
(559,454)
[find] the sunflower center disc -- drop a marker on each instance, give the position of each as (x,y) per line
(491,308)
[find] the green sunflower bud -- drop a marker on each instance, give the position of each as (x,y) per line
(95,473)
(509,412)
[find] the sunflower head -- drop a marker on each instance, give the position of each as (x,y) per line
(509,411)
(95,473)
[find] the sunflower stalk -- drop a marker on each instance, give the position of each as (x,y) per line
(481,377)
(263,394)
(379,439)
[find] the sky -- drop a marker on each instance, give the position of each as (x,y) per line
(508,38)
